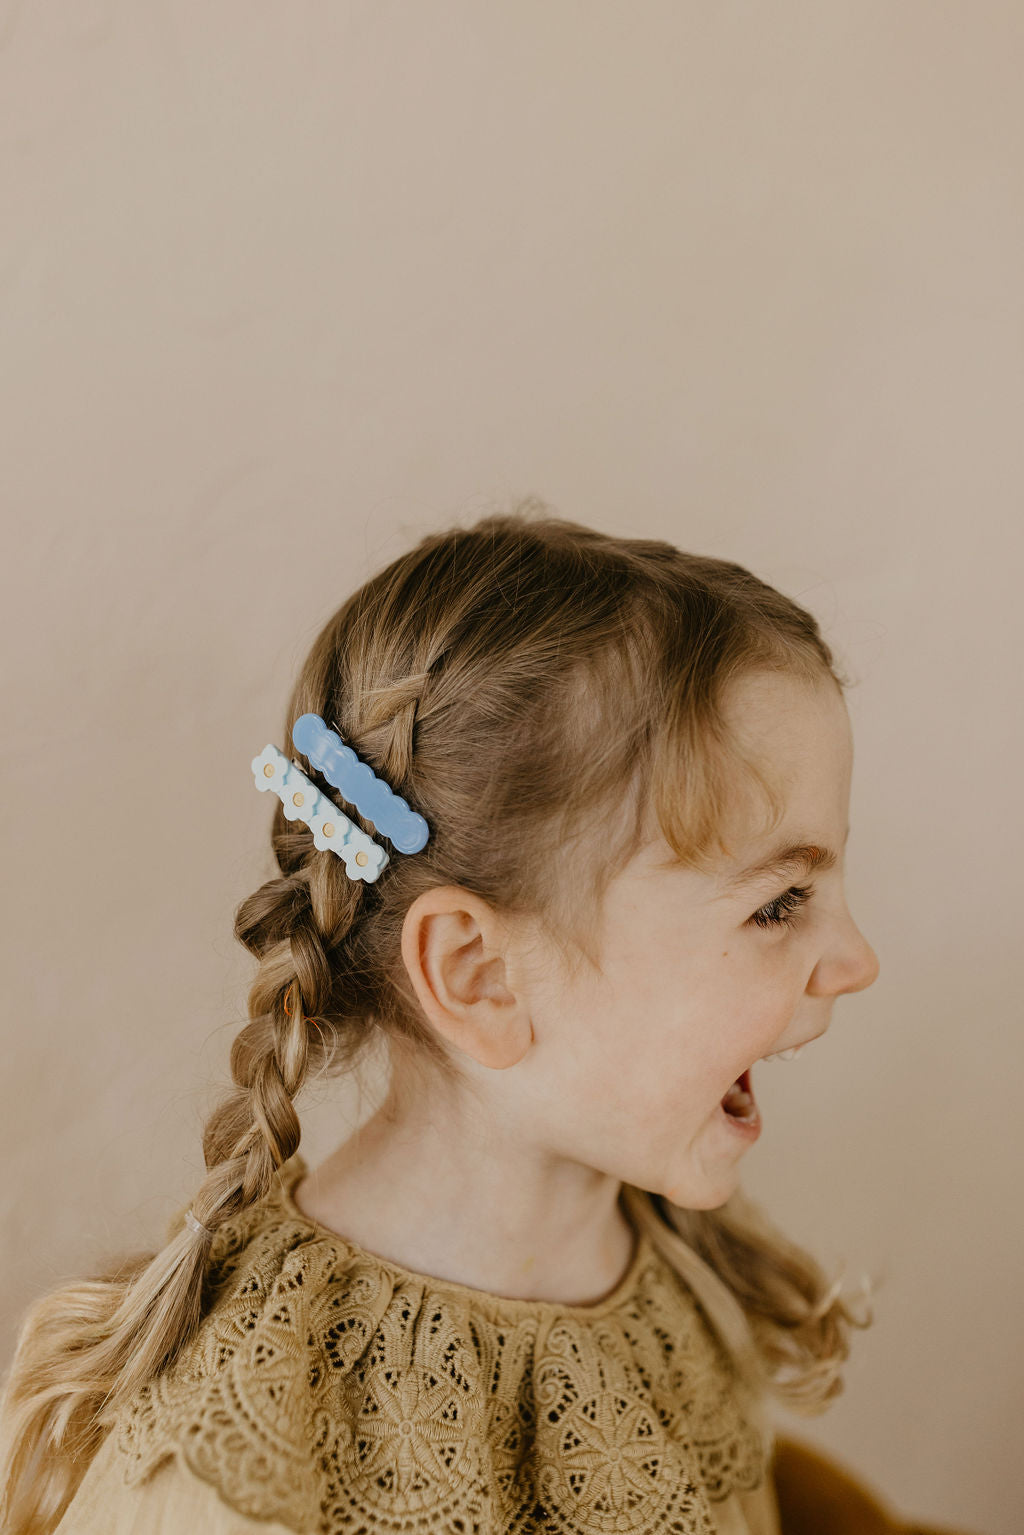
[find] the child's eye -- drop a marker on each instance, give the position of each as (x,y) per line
(784,910)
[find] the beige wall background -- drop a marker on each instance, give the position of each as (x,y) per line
(284,286)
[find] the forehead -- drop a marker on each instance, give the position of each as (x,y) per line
(799,736)
(769,706)
(797,732)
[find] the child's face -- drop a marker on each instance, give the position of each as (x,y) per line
(628,1068)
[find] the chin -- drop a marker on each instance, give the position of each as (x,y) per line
(702,1199)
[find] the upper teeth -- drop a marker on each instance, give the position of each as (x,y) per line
(784,1055)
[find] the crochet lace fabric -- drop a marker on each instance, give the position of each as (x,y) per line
(339,1392)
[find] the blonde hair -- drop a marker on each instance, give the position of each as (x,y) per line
(523,681)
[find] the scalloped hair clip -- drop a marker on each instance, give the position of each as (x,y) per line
(332,830)
(372,796)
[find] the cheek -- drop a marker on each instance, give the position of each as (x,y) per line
(654,1079)
(644,1112)
(751,1031)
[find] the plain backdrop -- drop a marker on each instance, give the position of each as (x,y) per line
(285,286)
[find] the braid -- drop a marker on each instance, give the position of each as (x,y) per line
(291,924)
(394,712)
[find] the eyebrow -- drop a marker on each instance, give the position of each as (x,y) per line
(783,862)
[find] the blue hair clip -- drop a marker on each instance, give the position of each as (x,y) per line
(359,784)
(331,829)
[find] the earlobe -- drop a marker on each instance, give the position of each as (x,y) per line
(453,950)
(503,1046)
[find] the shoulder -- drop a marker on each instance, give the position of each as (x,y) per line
(328,1387)
(170,1499)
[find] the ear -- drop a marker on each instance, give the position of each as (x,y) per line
(460,961)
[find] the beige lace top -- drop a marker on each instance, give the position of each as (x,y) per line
(329,1390)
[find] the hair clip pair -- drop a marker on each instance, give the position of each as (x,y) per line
(332,830)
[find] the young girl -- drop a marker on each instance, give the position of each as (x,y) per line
(528,1293)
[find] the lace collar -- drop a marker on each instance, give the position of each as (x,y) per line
(336,1391)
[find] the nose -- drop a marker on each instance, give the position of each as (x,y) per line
(866,973)
(852,967)
(866,967)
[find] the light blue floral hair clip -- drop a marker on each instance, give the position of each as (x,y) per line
(332,830)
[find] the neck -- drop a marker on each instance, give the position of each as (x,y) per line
(451,1195)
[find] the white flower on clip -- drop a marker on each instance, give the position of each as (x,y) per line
(272,758)
(301,799)
(328,815)
(374,856)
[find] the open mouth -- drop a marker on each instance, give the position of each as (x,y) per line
(739,1102)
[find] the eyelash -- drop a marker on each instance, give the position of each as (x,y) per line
(785,910)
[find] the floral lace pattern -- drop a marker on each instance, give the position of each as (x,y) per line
(338,1392)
